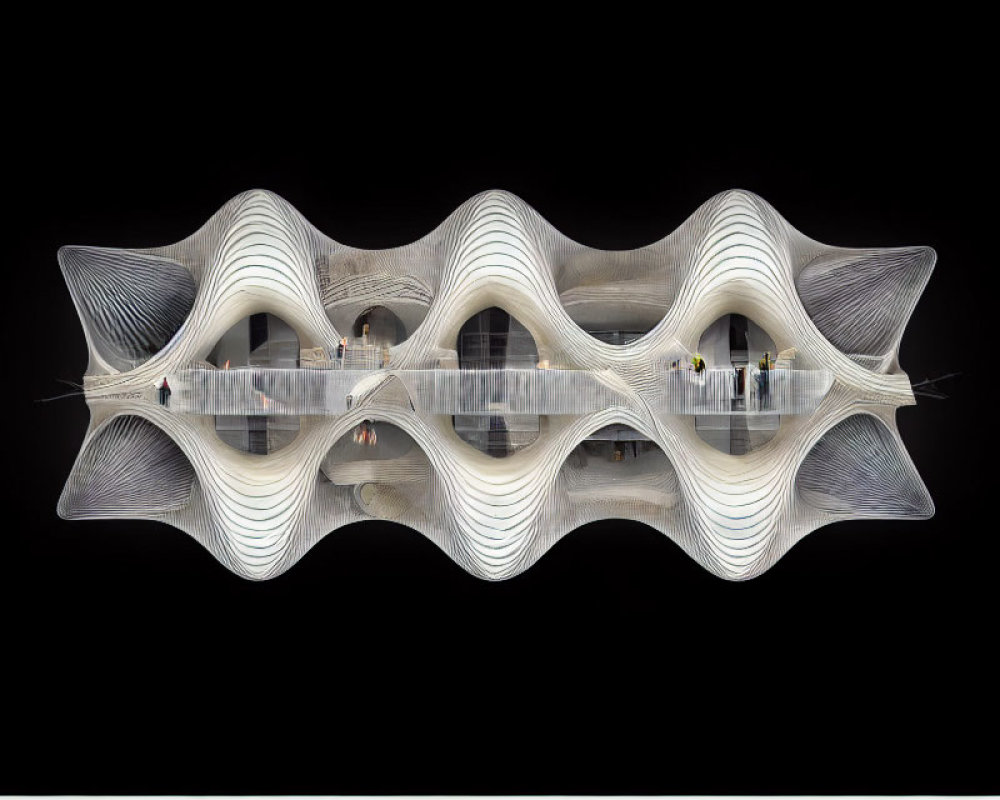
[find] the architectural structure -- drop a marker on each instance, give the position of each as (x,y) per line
(495,385)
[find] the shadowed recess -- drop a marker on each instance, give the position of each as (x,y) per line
(859,468)
(131,304)
(128,468)
(861,299)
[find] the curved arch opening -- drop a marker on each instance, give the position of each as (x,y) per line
(352,285)
(618,471)
(616,297)
(737,351)
(380,469)
(369,338)
(379,326)
(494,340)
(260,341)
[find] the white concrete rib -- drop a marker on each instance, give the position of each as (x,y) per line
(736,515)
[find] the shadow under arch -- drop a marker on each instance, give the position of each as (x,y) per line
(381,326)
(617,472)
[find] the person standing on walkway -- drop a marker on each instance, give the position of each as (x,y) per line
(165,392)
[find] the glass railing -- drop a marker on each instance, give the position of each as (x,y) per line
(744,390)
(498,392)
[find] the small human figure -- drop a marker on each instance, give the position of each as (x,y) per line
(365,433)
(164,392)
(765,388)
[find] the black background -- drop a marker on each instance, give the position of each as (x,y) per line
(133,662)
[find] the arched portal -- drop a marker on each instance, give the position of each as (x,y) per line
(739,345)
(494,340)
(616,296)
(619,472)
(379,326)
(260,341)
(382,471)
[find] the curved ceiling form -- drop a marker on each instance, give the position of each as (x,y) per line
(614,334)
(128,467)
(349,296)
(861,300)
(131,303)
(382,468)
(859,468)
(618,472)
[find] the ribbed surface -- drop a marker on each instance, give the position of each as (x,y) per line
(859,468)
(131,303)
(862,301)
(131,468)
(736,515)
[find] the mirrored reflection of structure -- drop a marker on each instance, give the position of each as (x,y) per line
(495,385)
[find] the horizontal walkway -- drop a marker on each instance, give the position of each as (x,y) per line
(317,392)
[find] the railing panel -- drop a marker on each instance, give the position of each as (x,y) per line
(715,391)
(277,392)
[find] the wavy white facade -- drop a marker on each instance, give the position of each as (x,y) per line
(158,313)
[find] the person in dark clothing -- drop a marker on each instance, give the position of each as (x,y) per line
(765,381)
(164,392)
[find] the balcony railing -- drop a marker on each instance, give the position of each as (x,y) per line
(277,392)
(725,391)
